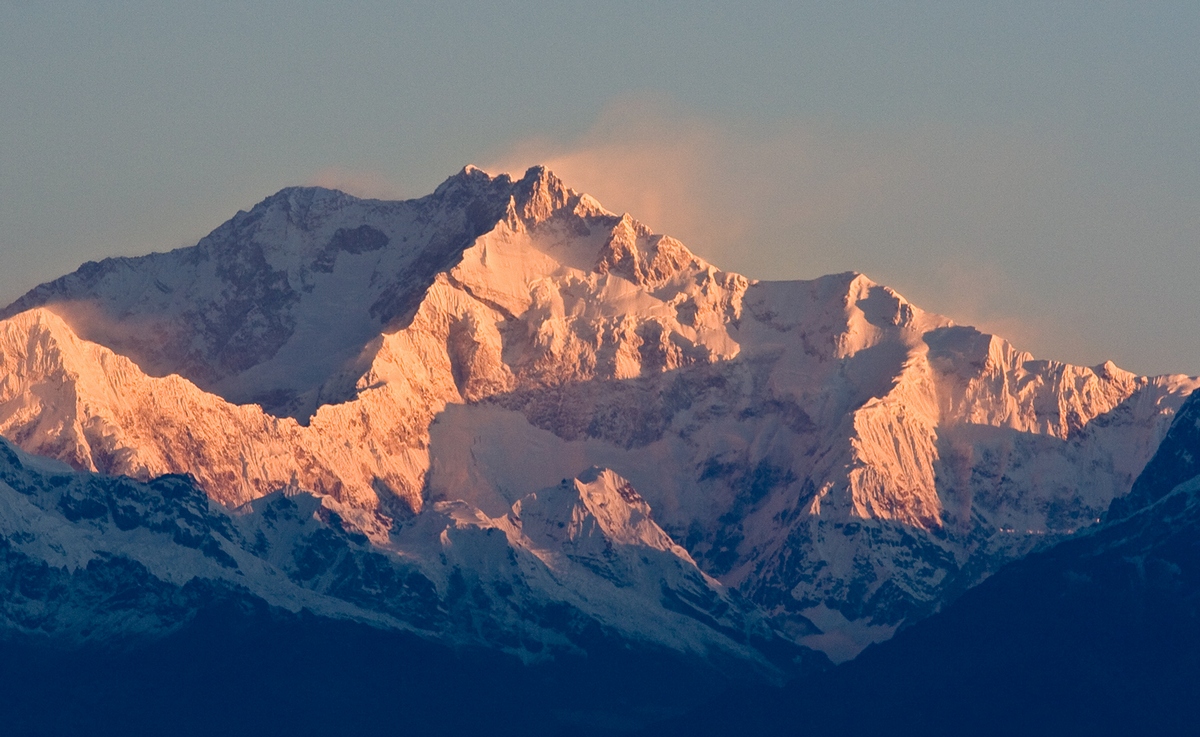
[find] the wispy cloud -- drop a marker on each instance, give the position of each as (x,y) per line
(729,190)
(955,219)
(640,158)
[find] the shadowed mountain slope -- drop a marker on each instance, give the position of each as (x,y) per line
(844,460)
(1097,635)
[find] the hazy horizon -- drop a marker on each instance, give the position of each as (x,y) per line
(1028,169)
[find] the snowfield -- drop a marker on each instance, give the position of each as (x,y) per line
(507,381)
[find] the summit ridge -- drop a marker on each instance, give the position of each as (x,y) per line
(841,459)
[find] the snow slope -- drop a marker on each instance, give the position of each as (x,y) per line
(273,306)
(1094,636)
(92,558)
(828,449)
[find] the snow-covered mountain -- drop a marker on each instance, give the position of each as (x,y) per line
(1097,635)
(273,306)
(438,368)
(93,558)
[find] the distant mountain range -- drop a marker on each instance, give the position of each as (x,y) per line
(500,422)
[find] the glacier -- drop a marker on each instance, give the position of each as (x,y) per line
(820,462)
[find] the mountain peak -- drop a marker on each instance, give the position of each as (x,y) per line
(481,343)
(469,183)
(540,194)
(298,201)
(594,511)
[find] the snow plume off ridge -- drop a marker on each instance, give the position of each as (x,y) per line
(505,371)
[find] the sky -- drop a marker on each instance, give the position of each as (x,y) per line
(1029,168)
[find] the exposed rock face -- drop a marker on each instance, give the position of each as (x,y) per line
(825,447)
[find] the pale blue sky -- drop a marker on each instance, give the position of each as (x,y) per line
(1030,167)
